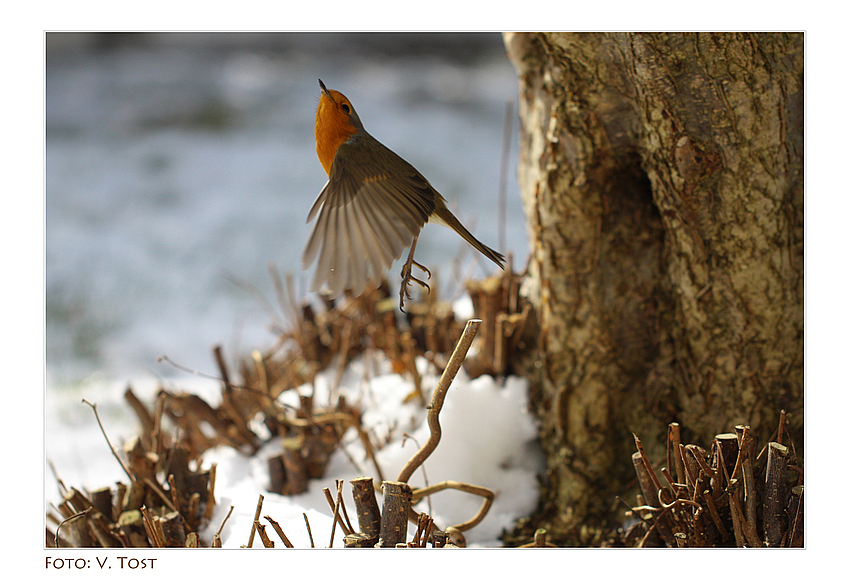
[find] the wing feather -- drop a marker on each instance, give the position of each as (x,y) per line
(365,217)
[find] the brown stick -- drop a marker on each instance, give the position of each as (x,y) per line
(264,537)
(294,467)
(480,491)
(421,525)
(715,516)
(155,539)
(222,366)
(171,528)
(649,469)
(696,452)
(157,442)
(775,518)
(211,493)
(690,474)
(112,448)
(337,518)
(394,518)
(339,486)
(217,536)
(279,532)
(257,512)
(795,537)
(309,531)
(647,486)
(142,414)
(455,362)
(725,454)
(368,514)
(78,539)
(744,469)
(674,439)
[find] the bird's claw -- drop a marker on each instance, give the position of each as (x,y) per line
(407,278)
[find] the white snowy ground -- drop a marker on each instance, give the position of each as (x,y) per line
(489,439)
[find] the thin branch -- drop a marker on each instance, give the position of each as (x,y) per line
(164,358)
(217,535)
(112,448)
(279,531)
(73,517)
(646,463)
(309,531)
(405,438)
(257,512)
(337,516)
(480,491)
(339,486)
(437,399)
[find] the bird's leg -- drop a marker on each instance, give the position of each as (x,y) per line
(407,276)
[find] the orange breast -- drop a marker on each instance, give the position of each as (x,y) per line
(333,128)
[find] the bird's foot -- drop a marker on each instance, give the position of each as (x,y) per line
(407,278)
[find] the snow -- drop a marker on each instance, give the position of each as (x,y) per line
(151,216)
(488,439)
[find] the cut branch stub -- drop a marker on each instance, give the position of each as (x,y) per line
(775,518)
(368,514)
(394,518)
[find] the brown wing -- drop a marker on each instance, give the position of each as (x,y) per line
(366,217)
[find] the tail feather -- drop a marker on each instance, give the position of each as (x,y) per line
(443,216)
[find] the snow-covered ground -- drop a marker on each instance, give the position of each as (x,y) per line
(488,439)
(179,166)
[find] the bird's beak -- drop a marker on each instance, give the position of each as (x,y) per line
(324,89)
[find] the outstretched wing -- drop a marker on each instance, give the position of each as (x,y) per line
(368,212)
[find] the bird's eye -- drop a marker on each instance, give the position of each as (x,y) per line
(345,108)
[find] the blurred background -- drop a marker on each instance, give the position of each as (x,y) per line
(179,165)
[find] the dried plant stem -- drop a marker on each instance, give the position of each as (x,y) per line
(645,459)
(715,516)
(256,521)
(154,531)
(674,439)
(795,538)
(112,448)
(261,530)
(437,399)
(695,452)
(335,505)
(68,520)
(464,487)
(775,517)
(157,442)
(217,536)
(337,518)
(309,531)
(279,532)
(211,494)
(155,488)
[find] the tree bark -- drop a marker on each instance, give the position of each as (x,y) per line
(662,179)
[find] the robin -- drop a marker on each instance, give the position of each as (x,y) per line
(372,207)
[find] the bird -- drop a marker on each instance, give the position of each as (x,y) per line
(372,207)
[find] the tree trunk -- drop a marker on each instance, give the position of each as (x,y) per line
(662,178)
